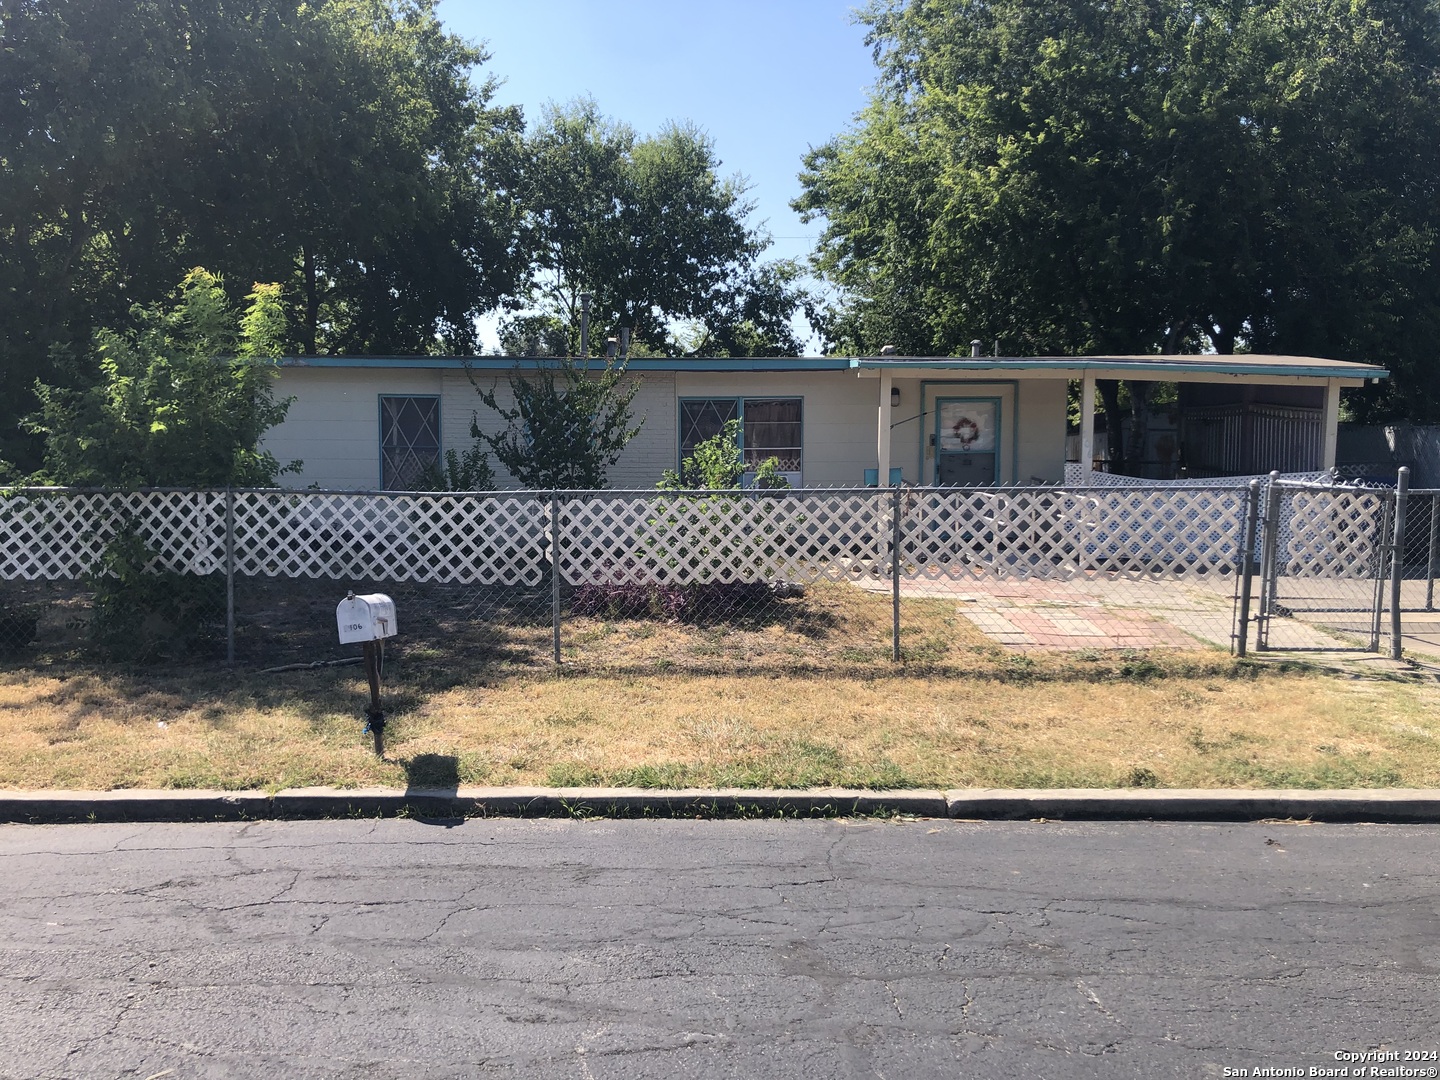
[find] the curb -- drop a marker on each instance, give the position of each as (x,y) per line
(1381,806)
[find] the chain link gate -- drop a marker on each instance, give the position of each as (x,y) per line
(1328,566)
(1418,547)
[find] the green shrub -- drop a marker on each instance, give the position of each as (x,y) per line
(469,471)
(142,615)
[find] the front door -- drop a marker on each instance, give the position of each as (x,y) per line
(967,441)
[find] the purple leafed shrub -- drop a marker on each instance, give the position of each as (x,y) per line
(711,601)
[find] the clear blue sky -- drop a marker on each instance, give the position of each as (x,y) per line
(766,80)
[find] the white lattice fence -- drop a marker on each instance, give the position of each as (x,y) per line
(1331,533)
(61,536)
(692,538)
(489,539)
(1170,533)
(1053,533)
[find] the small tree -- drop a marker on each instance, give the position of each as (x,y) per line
(182,401)
(721,533)
(567,427)
(718,463)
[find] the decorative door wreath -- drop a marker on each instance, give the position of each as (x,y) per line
(966,431)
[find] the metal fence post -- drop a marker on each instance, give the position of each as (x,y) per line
(1247,572)
(1430,559)
(1269,563)
(229,576)
(1381,570)
(895,576)
(555,572)
(1397,561)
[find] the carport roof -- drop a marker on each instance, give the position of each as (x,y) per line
(1160,368)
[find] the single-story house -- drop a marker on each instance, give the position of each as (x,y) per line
(372,423)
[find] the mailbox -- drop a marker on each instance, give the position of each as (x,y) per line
(365,618)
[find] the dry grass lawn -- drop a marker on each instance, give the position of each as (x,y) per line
(1182,720)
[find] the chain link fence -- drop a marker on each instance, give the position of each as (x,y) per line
(1417,545)
(706,581)
(1325,558)
(1349,566)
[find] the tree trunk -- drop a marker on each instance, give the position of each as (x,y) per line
(1139,426)
(1114,430)
(1223,338)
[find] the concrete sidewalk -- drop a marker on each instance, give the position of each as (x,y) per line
(1389,806)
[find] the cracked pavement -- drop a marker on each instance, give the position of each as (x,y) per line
(631,949)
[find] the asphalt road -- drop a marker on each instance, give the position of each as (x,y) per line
(629,949)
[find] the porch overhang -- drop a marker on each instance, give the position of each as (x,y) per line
(1241,368)
(1249,368)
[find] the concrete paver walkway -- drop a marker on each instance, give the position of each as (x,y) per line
(1110,611)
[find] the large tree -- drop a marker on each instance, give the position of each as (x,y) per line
(339,147)
(1132,176)
(648,227)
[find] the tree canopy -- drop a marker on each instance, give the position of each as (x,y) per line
(648,227)
(1066,176)
(339,148)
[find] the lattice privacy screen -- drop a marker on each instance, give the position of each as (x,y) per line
(506,538)
(48,535)
(1330,533)
(1051,533)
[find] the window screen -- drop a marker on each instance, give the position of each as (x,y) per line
(772,429)
(409,440)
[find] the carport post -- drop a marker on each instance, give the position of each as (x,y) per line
(882,432)
(1087,426)
(1397,560)
(895,574)
(1247,561)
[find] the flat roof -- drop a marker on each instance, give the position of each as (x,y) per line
(636,364)
(1160,367)
(1164,366)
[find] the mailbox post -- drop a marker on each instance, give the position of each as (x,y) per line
(369,619)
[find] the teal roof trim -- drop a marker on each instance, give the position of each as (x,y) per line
(507,363)
(1294,366)
(1298,367)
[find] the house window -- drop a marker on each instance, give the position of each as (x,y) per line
(409,440)
(769,427)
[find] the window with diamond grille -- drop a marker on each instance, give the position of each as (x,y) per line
(769,427)
(701,420)
(409,440)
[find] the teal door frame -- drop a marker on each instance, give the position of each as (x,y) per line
(999,404)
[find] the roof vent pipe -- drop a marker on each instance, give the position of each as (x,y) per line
(585,325)
(975,347)
(887,350)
